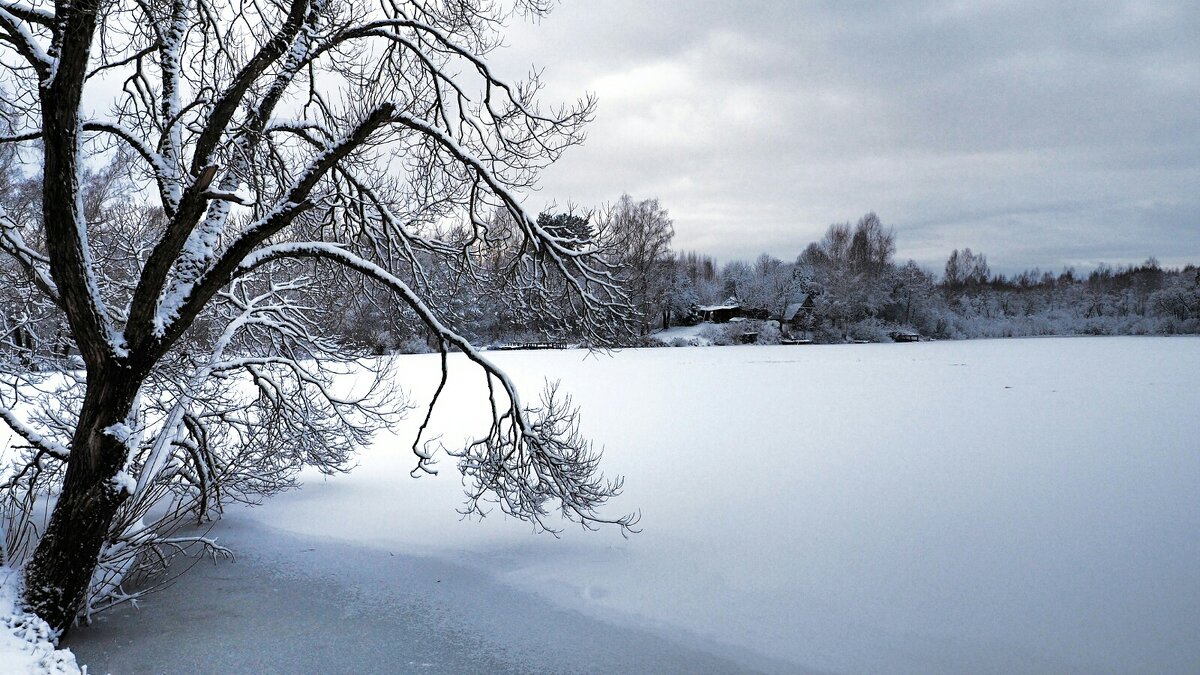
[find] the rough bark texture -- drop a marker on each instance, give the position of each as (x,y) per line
(58,575)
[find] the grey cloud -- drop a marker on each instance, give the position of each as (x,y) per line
(1042,133)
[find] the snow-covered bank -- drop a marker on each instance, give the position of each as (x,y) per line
(681,336)
(984,506)
(25,640)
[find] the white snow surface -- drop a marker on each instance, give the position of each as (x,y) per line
(25,640)
(685,335)
(982,506)
(966,506)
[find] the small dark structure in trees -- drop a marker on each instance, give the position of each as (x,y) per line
(904,336)
(722,313)
(748,337)
(524,346)
(799,317)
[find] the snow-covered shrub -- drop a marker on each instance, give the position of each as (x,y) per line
(413,345)
(769,333)
(828,335)
(721,334)
(1098,325)
(737,332)
(871,330)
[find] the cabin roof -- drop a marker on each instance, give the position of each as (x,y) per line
(794,309)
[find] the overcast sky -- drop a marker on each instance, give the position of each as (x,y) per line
(1040,133)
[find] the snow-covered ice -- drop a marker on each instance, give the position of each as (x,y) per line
(984,506)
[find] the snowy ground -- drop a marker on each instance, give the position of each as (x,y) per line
(984,506)
(684,335)
(25,640)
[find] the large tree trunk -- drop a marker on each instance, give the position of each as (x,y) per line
(58,575)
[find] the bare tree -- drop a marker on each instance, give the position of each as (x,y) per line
(912,289)
(872,246)
(851,266)
(275,144)
(640,235)
(966,268)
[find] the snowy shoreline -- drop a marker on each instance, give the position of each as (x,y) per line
(296,604)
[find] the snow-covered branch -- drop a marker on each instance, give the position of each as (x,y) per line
(529,456)
(32,437)
(13,20)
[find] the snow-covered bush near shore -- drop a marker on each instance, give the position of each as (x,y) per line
(739,332)
(870,330)
(26,642)
(720,334)
(768,333)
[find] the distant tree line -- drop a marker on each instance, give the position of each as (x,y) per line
(859,291)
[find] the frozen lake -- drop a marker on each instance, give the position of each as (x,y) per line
(983,506)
